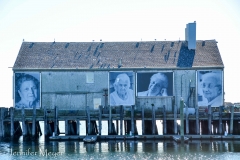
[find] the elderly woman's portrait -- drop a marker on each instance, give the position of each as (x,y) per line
(27,91)
(154,84)
(210,89)
(121,88)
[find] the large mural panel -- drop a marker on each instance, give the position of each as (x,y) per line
(154,84)
(121,88)
(210,88)
(27,90)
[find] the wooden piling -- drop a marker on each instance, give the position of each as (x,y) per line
(39,128)
(117,126)
(231,119)
(34,122)
(100,119)
(121,120)
(164,121)
(66,127)
(143,121)
(220,120)
(1,122)
(12,120)
(56,120)
(78,126)
(175,118)
(110,120)
(88,121)
(187,120)
(132,120)
(209,119)
(24,123)
(182,120)
(153,119)
(45,122)
(197,120)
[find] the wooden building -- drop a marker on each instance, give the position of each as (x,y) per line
(77,75)
(74,75)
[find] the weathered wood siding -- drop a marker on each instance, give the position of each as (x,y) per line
(181,86)
(69,90)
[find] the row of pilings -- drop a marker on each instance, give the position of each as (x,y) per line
(25,122)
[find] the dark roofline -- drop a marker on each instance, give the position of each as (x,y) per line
(117,69)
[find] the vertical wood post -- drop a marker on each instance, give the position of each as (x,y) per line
(209,119)
(117,126)
(12,121)
(121,120)
(100,119)
(182,120)
(110,121)
(164,121)
(175,116)
(88,121)
(78,126)
(45,122)
(56,120)
(23,122)
(220,120)
(231,120)
(187,120)
(153,120)
(132,120)
(66,127)
(143,121)
(197,120)
(1,122)
(34,122)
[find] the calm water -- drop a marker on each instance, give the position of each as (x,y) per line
(40,149)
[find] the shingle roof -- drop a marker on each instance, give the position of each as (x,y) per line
(107,55)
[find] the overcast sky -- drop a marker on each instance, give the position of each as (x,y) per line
(118,20)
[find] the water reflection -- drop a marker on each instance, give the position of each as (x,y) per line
(148,149)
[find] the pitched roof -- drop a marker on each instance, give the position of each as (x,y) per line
(108,55)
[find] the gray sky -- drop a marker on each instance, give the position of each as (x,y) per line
(118,20)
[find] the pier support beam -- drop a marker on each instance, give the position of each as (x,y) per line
(164,121)
(220,121)
(12,120)
(143,122)
(24,123)
(1,122)
(182,120)
(56,120)
(34,122)
(121,120)
(209,119)
(197,121)
(100,119)
(231,119)
(175,117)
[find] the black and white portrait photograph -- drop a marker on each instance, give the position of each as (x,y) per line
(154,84)
(121,88)
(210,88)
(27,90)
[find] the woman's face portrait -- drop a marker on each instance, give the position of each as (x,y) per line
(28,91)
(210,88)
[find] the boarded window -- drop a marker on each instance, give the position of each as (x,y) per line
(89,77)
